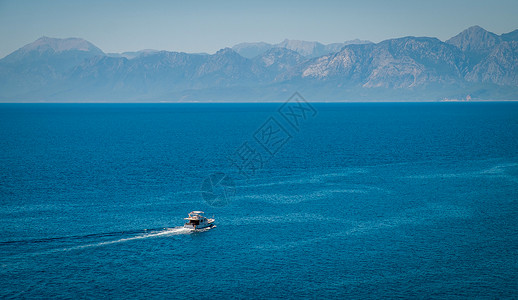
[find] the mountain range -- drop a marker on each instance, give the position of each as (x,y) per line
(475,64)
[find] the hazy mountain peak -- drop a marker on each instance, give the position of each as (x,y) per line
(303,47)
(475,28)
(475,39)
(297,42)
(60,45)
(63,52)
(251,50)
(226,51)
(357,42)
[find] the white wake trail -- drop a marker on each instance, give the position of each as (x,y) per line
(165,232)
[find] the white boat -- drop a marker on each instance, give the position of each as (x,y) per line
(197,221)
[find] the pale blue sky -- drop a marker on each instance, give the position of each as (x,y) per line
(206,26)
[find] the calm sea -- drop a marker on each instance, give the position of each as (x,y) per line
(380,200)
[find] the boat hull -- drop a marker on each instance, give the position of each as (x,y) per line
(197,227)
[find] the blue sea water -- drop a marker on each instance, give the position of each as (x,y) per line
(375,200)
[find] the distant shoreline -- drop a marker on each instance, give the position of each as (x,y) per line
(255,102)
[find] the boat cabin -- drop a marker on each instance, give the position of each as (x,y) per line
(196,220)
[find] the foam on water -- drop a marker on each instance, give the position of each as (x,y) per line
(281,198)
(306,179)
(497,171)
(136,235)
(423,215)
(18,258)
(165,232)
(272,219)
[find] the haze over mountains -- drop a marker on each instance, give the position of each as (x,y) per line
(304,48)
(474,63)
